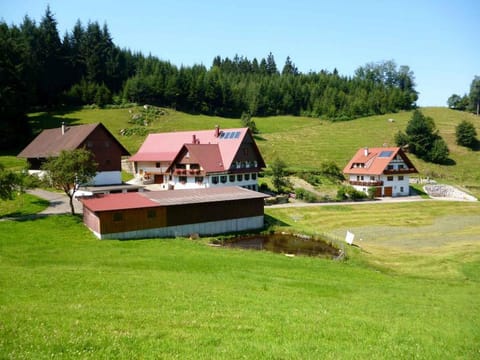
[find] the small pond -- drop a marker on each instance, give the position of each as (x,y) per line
(287,244)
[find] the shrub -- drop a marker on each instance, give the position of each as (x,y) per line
(305,195)
(465,134)
(350,193)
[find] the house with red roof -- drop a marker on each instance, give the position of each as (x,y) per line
(106,149)
(387,169)
(199,159)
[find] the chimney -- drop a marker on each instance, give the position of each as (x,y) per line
(217,131)
(194,139)
(63,128)
(365,151)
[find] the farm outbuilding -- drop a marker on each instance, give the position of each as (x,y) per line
(173,213)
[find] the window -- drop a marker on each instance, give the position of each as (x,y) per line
(223,179)
(401,189)
(239,177)
(254,176)
(231,178)
(390,167)
(247,177)
(400,177)
(117,216)
(214,179)
(157,165)
(151,214)
(372,178)
(199,179)
(389,178)
(182,179)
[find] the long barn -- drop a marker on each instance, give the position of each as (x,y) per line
(173,213)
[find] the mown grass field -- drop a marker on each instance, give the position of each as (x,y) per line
(67,295)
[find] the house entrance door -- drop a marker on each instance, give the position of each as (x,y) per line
(387,191)
(158,179)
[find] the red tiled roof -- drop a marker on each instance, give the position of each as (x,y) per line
(207,155)
(373,161)
(165,146)
(50,142)
(136,200)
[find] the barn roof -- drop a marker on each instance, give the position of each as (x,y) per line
(117,201)
(374,161)
(136,200)
(165,146)
(50,142)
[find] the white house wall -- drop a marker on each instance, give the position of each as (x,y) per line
(208,182)
(399,187)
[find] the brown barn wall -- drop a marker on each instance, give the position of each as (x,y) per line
(137,219)
(108,154)
(198,213)
(132,219)
(91,220)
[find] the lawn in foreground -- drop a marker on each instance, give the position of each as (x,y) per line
(66,294)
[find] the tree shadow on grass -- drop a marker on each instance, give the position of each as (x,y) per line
(259,138)
(272,221)
(449,162)
(51,119)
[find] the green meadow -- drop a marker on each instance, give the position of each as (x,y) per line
(66,294)
(409,289)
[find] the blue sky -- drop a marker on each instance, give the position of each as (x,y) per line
(438,40)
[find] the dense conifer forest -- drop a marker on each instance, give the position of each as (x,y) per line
(42,70)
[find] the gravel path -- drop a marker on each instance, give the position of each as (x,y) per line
(59,202)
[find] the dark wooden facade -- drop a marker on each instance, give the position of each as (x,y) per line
(105,148)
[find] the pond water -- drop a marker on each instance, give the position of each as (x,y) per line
(285,244)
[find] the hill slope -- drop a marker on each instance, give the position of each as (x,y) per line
(303,143)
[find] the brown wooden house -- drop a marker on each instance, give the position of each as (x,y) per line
(106,149)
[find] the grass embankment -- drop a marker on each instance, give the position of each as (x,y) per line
(303,143)
(66,294)
(22,205)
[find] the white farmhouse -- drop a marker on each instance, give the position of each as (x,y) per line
(199,159)
(387,169)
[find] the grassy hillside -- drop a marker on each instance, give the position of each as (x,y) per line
(302,142)
(72,296)
(411,290)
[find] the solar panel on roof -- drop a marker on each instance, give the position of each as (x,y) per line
(237,134)
(386,153)
(222,135)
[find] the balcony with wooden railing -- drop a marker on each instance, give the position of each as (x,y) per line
(399,171)
(366,183)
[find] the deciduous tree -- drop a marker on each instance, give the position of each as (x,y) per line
(9,183)
(69,170)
